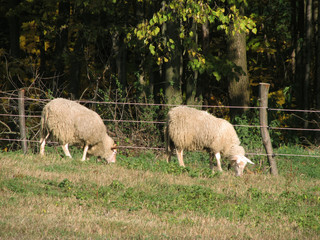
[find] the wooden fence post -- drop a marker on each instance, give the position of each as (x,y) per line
(22,122)
(263,91)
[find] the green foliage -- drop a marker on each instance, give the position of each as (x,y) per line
(162,46)
(248,130)
(65,185)
(304,164)
(139,124)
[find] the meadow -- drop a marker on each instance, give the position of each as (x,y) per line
(143,197)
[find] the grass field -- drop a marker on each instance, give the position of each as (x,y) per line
(143,197)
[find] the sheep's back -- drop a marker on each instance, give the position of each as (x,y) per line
(90,127)
(193,129)
(70,122)
(187,128)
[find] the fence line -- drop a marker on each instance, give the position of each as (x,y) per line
(293,110)
(19,115)
(163,122)
(133,121)
(169,105)
(137,104)
(295,129)
(163,149)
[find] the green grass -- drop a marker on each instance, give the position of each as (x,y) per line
(143,197)
(303,166)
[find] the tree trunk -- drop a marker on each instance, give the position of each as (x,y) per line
(120,52)
(75,67)
(308,40)
(145,89)
(42,50)
(318,74)
(62,36)
(318,62)
(172,77)
(14,29)
(293,37)
(299,63)
(145,77)
(191,79)
(239,85)
(173,94)
(203,78)
(14,38)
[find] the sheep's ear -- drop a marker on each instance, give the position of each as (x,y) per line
(248,160)
(240,158)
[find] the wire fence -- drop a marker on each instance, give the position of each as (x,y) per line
(142,123)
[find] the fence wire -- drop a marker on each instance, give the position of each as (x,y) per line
(44,101)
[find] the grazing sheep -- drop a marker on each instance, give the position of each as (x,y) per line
(71,123)
(191,129)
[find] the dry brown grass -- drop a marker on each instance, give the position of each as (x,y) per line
(31,216)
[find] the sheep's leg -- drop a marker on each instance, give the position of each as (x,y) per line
(180,157)
(168,157)
(218,157)
(168,154)
(168,146)
(43,143)
(85,152)
(66,150)
(211,161)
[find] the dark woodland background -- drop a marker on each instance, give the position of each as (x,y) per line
(171,52)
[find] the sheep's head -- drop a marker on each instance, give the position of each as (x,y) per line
(112,158)
(239,162)
(110,153)
(104,151)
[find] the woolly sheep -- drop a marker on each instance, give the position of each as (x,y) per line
(69,122)
(191,129)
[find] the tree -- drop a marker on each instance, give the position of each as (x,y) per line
(14,36)
(192,78)
(187,14)
(61,38)
(165,52)
(318,63)
(14,28)
(239,83)
(307,54)
(172,75)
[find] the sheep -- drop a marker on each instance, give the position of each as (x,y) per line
(191,129)
(70,123)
